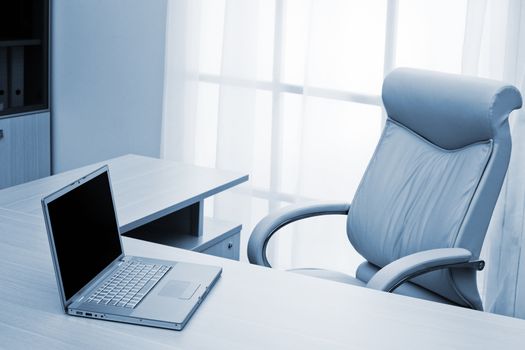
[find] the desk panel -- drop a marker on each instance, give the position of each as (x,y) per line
(145,188)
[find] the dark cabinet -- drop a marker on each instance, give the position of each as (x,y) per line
(24,91)
(24,56)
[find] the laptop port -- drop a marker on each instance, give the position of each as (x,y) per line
(79,313)
(89,314)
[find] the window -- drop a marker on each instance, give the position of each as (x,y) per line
(311,73)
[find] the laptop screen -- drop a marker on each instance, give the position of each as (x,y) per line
(85,232)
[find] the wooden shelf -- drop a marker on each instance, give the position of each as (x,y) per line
(20,42)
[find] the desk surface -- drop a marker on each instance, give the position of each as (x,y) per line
(251,307)
(145,188)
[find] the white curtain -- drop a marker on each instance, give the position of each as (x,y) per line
(289,92)
(248,89)
(494,47)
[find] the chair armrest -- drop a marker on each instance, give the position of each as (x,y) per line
(397,272)
(265,229)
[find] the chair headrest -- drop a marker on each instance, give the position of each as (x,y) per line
(449,110)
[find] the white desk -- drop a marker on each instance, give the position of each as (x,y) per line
(251,307)
(156,200)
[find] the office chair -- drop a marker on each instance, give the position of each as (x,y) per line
(421,211)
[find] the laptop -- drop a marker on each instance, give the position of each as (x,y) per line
(96,280)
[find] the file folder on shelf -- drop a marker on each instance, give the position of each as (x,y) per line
(3,79)
(16,86)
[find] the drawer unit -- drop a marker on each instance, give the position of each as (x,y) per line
(218,238)
(227,248)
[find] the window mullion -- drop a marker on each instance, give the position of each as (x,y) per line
(390,41)
(276,137)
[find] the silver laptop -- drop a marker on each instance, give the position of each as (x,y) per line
(95,279)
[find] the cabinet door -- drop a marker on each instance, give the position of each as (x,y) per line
(228,248)
(25,153)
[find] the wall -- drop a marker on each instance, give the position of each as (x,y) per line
(107,79)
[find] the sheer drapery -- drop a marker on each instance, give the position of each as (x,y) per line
(248,89)
(289,92)
(494,47)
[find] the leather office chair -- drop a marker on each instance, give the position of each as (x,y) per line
(421,211)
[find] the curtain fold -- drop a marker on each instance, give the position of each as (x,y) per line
(180,80)
(494,48)
(236,111)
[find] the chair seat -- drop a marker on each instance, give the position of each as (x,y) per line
(365,272)
(330,275)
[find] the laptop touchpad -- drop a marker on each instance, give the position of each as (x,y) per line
(179,289)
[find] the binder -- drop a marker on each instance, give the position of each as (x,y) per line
(16,86)
(3,79)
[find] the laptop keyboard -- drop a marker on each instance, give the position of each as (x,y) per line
(128,285)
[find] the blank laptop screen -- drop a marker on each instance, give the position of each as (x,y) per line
(85,232)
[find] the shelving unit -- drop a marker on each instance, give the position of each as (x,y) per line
(24,91)
(24,56)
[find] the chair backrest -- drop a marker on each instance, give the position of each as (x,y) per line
(436,173)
